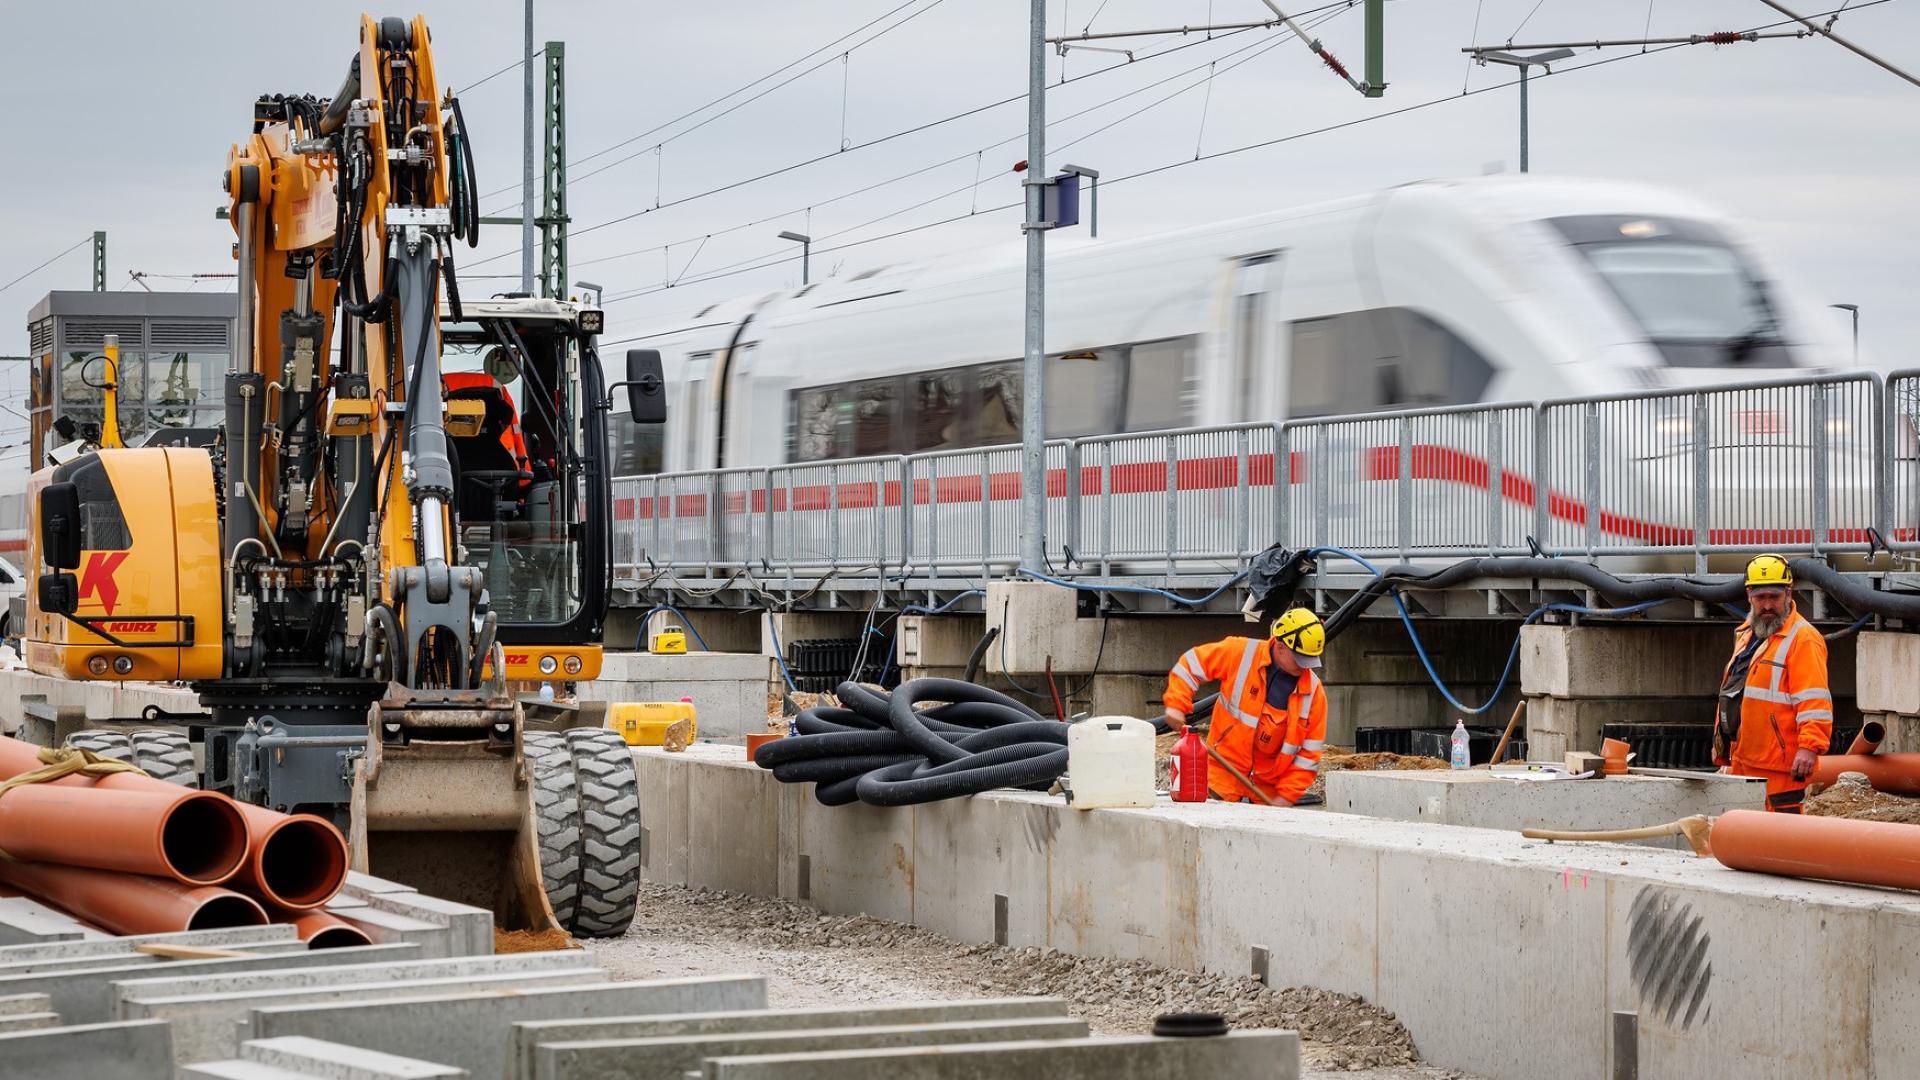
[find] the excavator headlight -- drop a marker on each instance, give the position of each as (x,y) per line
(573,665)
(592,321)
(548,665)
(97,666)
(123,665)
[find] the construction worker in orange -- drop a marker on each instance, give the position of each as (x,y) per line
(1775,710)
(1270,722)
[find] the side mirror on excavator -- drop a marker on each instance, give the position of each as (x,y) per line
(646,387)
(59,593)
(60,525)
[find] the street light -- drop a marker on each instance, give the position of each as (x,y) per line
(599,292)
(1093,194)
(1854,310)
(806,247)
(1543,59)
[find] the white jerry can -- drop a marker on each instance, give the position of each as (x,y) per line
(1110,762)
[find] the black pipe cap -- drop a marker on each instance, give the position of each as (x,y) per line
(1189,1025)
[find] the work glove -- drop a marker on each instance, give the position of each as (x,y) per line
(1803,762)
(1176,721)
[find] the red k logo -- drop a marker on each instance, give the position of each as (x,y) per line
(96,578)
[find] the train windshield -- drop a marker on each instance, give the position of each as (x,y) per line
(1699,301)
(520,472)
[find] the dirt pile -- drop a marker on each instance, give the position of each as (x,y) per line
(1860,802)
(1339,1031)
(519,941)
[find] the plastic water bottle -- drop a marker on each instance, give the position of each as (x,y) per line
(1461,759)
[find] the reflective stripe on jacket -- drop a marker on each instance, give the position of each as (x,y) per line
(1279,751)
(1786,704)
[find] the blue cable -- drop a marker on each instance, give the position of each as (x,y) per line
(917,609)
(779,655)
(684,621)
(1140,590)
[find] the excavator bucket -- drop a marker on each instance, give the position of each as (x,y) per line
(443,801)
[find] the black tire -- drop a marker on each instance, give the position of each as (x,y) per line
(109,744)
(556,805)
(166,755)
(610,832)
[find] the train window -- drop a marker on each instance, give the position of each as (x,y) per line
(941,419)
(1160,390)
(872,415)
(1083,392)
(999,396)
(814,426)
(634,449)
(1386,358)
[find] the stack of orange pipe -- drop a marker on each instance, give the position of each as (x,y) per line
(136,855)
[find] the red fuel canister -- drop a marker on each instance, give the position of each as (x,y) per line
(1189,763)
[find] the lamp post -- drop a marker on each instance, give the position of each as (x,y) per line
(598,291)
(1854,310)
(1524,63)
(806,248)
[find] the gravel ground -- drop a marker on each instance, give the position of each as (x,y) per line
(813,959)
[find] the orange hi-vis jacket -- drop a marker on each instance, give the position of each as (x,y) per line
(1278,751)
(1786,704)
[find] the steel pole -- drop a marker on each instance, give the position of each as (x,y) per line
(1523,117)
(806,255)
(1033,463)
(527,208)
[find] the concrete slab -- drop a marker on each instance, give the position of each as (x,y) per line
(526,1036)
(206,1026)
(86,996)
(318,1057)
(1885,663)
(132,959)
(1481,799)
(469,928)
(1242,1055)
(269,979)
(237,1070)
(644,1059)
(18,1004)
(141,1050)
(435,940)
(363,885)
(1624,661)
(25,922)
(729,690)
(31,1021)
(475,1031)
(239,937)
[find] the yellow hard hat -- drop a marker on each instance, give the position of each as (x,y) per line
(1300,630)
(1766,570)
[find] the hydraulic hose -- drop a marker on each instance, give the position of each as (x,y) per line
(883,750)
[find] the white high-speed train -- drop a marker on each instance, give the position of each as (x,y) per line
(1432,293)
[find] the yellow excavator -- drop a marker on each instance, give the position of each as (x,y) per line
(403,517)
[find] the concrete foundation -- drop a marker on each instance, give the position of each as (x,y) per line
(1889,690)
(140,1050)
(1242,1055)
(475,1031)
(729,690)
(1458,931)
(528,1036)
(1478,798)
(1037,621)
(642,1059)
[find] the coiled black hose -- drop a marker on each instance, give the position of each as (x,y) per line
(882,750)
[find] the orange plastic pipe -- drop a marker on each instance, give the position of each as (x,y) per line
(132,903)
(294,860)
(1833,849)
(323,931)
(194,837)
(1898,774)
(1869,738)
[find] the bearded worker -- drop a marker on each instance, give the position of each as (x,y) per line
(1775,711)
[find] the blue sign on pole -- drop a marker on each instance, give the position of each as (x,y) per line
(1061,201)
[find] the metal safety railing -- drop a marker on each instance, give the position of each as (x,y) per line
(1827,463)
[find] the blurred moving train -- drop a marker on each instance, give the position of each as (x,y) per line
(1432,293)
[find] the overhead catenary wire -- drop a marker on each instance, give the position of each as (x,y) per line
(85,240)
(497,74)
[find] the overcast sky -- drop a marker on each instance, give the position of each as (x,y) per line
(120,115)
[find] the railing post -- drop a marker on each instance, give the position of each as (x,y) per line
(986,515)
(1883,421)
(716,520)
(1243,495)
(1590,455)
(1106,509)
(1543,478)
(906,510)
(1404,488)
(1282,481)
(1818,441)
(1496,447)
(764,546)
(1317,474)
(1172,503)
(1071,453)
(1702,480)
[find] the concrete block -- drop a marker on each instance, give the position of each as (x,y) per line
(1324,935)
(859,857)
(736,848)
(475,1030)
(1478,798)
(206,1025)
(18,1004)
(269,979)
(1152,915)
(26,922)
(239,937)
(1038,620)
(87,996)
(318,1057)
(637,1059)
(729,690)
(937,640)
(527,1036)
(1243,1055)
(364,885)
(235,1069)
(32,1021)
(1885,664)
(664,814)
(978,869)
(1624,661)
(469,929)
(1895,995)
(141,1050)
(435,940)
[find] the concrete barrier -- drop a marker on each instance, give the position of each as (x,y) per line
(297,1056)
(527,1036)
(645,1059)
(397,912)
(238,937)
(140,1050)
(1242,1055)
(86,996)
(476,1031)
(1455,930)
(28,1021)
(729,690)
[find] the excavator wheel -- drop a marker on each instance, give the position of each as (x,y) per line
(588,802)
(164,755)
